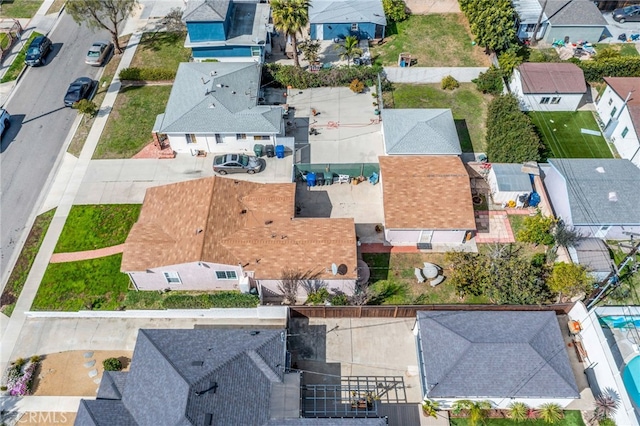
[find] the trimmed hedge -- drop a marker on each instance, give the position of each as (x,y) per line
(624,66)
(221,299)
(287,75)
(147,74)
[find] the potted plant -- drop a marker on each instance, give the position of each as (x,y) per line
(430,408)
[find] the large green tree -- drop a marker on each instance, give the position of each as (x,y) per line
(290,17)
(492,22)
(569,279)
(102,14)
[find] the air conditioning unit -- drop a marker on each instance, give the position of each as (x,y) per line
(244,285)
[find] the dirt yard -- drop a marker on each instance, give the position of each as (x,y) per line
(423,7)
(65,373)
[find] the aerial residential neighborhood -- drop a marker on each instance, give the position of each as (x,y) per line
(320,212)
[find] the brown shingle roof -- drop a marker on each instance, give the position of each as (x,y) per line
(623,86)
(549,77)
(233,222)
(426,192)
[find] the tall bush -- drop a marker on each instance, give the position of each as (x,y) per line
(278,75)
(490,81)
(147,74)
(623,66)
(112,364)
(395,10)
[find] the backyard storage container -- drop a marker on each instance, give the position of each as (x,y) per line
(269,150)
(320,178)
(280,151)
(311,179)
(257,149)
(328,178)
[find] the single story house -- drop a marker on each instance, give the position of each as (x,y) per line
(572,20)
(548,86)
(226,30)
(598,197)
(223,234)
(427,201)
(499,356)
(619,112)
(507,182)
(204,377)
(337,19)
(420,132)
(213,107)
(593,254)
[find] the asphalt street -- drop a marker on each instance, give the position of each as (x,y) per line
(40,125)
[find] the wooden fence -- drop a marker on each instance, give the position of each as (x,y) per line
(409,311)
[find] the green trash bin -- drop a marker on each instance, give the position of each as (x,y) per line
(257,149)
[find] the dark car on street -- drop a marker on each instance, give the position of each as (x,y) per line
(629,13)
(38,51)
(236,163)
(82,88)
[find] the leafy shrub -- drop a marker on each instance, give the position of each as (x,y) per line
(147,74)
(395,10)
(539,259)
(606,422)
(20,362)
(112,364)
(85,106)
(34,359)
(508,61)
(220,299)
(623,66)
(356,86)
(449,83)
(537,230)
(607,53)
(277,75)
(340,300)
(490,81)
(318,297)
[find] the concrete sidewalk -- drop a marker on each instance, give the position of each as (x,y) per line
(424,75)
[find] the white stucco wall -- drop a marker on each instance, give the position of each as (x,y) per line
(529,102)
(402,237)
(557,191)
(207,143)
(614,125)
(448,237)
(193,276)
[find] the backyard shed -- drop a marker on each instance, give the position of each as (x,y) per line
(507,182)
(593,254)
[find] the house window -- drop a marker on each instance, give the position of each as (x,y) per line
(555,100)
(530,27)
(613,111)
(261,138)
(610,101)
(544,100)
(226,275)
(172,277)
(625,131)
(241,136)
(255,51)
(191,139)
(354,27)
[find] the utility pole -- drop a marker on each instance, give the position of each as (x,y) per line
(534,39)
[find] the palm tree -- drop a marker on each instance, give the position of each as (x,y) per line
(349,49)
(606,406)
(551,413)
(518,411)
(290,17)
(476,410)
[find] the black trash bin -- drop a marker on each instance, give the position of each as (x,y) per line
(270,150)
(320,179)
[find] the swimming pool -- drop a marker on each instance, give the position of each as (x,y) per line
(620,321)
(631,379)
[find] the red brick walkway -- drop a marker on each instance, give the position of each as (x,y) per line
(85,255)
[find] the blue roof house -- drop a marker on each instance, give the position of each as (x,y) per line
(336,19)
(227,30)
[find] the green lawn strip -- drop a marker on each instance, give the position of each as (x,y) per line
(18,63)
(19,8)
(189,300)
(571,418)
(436,40)
(625,49)
(560,132)
(23,265)
(161,50)
(468,106)
(131,121)
(516,221)
(90,227)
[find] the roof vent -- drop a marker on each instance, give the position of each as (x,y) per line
(219,86)
(268,222)
(254,332)
(208,419)
(212,105)
(613,196)
(198,231)
(600,169)
(243,211)
(197,363)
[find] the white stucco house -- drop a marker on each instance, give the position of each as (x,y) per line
(213,107)
(497,356)
(598,197)
(427,201)
(219,233)
(420,131)
(619,112)
(548,86)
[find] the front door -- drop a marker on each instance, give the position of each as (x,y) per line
(319,32)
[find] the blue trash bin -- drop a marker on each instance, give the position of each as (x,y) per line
(280,151)
(311,179)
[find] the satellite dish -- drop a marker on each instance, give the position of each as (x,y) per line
(334,269)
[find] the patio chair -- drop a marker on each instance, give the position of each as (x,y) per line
(418,273)
(436,281)
(343,179)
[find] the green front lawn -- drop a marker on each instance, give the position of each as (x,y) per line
(469,108)
(560,132)
(161,50)
(437,40)
(90,227)
(19,8)
(130,123)
(571,418)
(18,63)
(625,49)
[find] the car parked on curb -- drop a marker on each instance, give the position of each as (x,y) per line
(629,13)
(81,88)
(38,51)
(236,163)
(5,122)
(99,53)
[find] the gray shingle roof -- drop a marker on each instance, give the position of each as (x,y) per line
(494,354)
(346,11)
(218,97)
(593,254)
(103,412)
(573,12)
(601,191)
(206,10)
(420,131)
(112,385)
(328,422)
(510,177)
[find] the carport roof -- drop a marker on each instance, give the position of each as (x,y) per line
(593,254)
(426,192)
(494,354)
(420,131)
(346,11)
(509,177)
